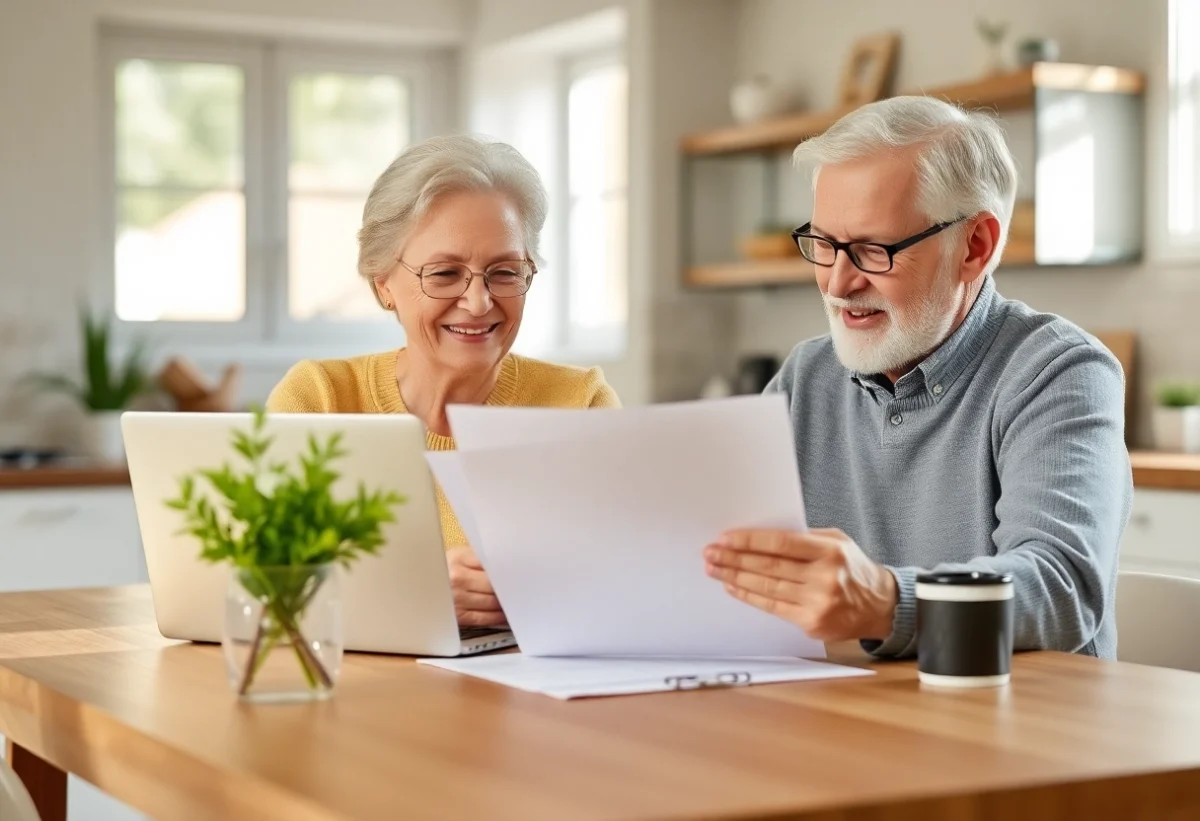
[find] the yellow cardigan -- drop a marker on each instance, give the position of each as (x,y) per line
(367,384)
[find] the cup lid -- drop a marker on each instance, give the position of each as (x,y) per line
(961,578)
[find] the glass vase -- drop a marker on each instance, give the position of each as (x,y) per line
(283,632)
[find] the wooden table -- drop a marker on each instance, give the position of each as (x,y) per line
(88,685)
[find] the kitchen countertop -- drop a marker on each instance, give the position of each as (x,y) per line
(1151,470)
(62,476)
(1165,471)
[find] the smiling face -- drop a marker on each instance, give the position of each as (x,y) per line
(473,333)
(883,323)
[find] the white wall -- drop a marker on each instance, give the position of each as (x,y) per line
(802,44)
(50,164)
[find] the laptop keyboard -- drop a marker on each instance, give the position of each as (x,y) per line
(468,633)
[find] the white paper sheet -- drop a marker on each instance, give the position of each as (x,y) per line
(566,678)
(593,523)
(447,469)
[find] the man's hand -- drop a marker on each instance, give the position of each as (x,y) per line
(475,601)
(819,580)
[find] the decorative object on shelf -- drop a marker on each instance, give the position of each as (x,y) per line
(867,75)
(193,393)
(1115,123)
(1177,417)
(1037,50)
(757,99)
(285,535)
(106,391)
(992,35)
(771,241)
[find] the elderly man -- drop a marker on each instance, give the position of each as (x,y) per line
(938,425)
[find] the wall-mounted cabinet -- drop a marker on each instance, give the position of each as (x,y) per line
(1075,130)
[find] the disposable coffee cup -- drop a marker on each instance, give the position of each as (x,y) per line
(964,629)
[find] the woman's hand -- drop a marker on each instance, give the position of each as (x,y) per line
(475,601)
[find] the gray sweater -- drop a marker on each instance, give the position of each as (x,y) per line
(1003,451)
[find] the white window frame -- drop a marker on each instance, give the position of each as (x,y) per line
(608,342)
(266,332)
(1182,149)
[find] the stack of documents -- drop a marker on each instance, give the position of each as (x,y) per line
(567,678)
(591,526)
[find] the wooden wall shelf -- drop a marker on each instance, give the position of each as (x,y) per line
(1006,92)
(797,271)
(788,271)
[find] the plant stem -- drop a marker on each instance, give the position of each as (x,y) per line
(314,671)
(251,661)
(314,664)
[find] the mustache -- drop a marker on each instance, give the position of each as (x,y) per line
(857,304)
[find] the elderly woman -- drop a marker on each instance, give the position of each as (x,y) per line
(448,244)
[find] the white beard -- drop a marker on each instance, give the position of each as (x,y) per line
(907,336)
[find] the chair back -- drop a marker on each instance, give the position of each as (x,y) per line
(1157,617)
(15,803)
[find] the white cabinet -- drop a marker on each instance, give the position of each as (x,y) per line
(69,537)
(1163,534)
(72,537)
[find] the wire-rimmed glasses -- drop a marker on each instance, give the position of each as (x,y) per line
(450,280)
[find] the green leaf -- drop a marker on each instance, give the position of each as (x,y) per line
(292,519)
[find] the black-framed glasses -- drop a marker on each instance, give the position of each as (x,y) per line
(450,280)
(868,257)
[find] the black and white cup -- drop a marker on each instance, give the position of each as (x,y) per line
(964,629)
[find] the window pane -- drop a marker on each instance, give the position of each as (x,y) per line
(598,261)
(596,131)
(345,130)
(323,276)
(179,124)
(180,256)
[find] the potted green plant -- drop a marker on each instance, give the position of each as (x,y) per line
(1177,417)
(284,532)
(105,391)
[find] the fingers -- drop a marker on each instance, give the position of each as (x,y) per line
(469,579)
(769,587)
(481,618)
(764,565)
(776,607)
(464,555)
(466,600)
(471,560)
(806,546)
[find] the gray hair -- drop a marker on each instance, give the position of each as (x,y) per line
(964,166)
(406,191)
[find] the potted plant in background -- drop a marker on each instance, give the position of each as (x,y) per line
(284,534)
(105,391)
(1177,417)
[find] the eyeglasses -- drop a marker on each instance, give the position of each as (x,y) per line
(868,257)
(450,280)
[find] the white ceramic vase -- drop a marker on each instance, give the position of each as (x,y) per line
(755,100)
(1177,429)
(100,437)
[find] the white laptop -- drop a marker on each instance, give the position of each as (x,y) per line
(396,602)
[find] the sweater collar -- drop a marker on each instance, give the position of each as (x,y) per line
(386,391)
